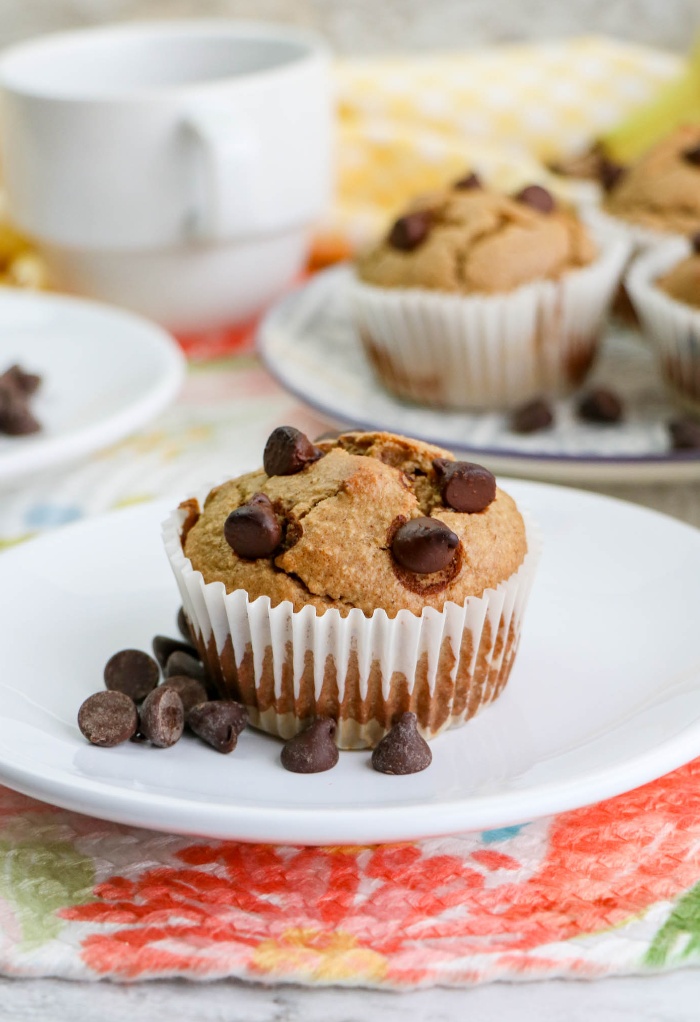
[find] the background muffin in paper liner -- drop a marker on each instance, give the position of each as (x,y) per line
(497,304)
(330,623)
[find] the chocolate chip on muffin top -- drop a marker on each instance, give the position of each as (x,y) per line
(373,520)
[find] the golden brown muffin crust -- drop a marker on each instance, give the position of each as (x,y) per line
(482,242)
(682,282)
(339,513)
(662,189)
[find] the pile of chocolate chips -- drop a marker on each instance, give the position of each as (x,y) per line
(17,387)
(136,705)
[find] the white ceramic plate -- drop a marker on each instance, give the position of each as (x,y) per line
(105,373)
(309,344)
(605,694)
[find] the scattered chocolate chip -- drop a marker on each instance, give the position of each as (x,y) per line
(409,231)
(253,529)
(132,672)
(184,626)
(610,173)
(403,750)
(108,719)
(465,486)
(162,718)
(218,723)
(288,451)
(20,379)
(164,647)
(532,417)
(467,182)
(189,689)
(695,243)
(424,545)
(182,663)
(16,417)
(685,434)
(600,406)
(312,750)
(537,198)
(692,155)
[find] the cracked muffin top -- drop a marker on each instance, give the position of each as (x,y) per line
(366,520)
(472,240)
(662,189)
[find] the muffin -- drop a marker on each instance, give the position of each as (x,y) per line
(664,285)
(659,195)
(344,580)
(480,300)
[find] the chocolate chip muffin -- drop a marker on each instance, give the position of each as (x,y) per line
(475,299)
(661,191)
(664,286)
(358,578)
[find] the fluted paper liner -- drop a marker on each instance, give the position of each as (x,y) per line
(672,327)
(288,666)
(489,351)
(638,237)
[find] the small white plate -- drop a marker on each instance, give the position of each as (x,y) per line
(105,373)
(309,344)
(605,694)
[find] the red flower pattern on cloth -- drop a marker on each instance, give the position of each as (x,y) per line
(455,910)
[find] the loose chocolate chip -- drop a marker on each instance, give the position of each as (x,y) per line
(465,486)
(164,647)
(685,434)
(184,626)
(692,155)
(695,243)
(610,173)
(532,417)
(253,529)
(132,672)
(312,750)
(162,718)
(108,719)
(182,663)
(288,451)
(424,545)
(16,417)
(19,379)
(411,230)
(189,689)
(403,750)
(467,182)
(218,723)
(601,406)
(537,198)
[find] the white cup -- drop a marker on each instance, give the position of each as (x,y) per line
(173,167)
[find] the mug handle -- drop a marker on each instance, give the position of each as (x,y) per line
(222,178)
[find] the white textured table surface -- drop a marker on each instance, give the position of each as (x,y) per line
(670,998)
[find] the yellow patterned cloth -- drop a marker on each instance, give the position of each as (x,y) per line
(407,124)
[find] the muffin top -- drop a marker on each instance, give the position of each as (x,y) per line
(472,240)
(682,281)
(662,189)
(367,520)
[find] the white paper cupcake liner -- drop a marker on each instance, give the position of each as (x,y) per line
(490,351)
(638,238)
(289,666)
(672,327)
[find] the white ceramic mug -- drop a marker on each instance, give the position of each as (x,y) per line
(175,167)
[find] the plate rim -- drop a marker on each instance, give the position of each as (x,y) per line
(672,467)
(218,820)
(49,452)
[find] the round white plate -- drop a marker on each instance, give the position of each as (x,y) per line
(308,343)
(105,373)
(605,694)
